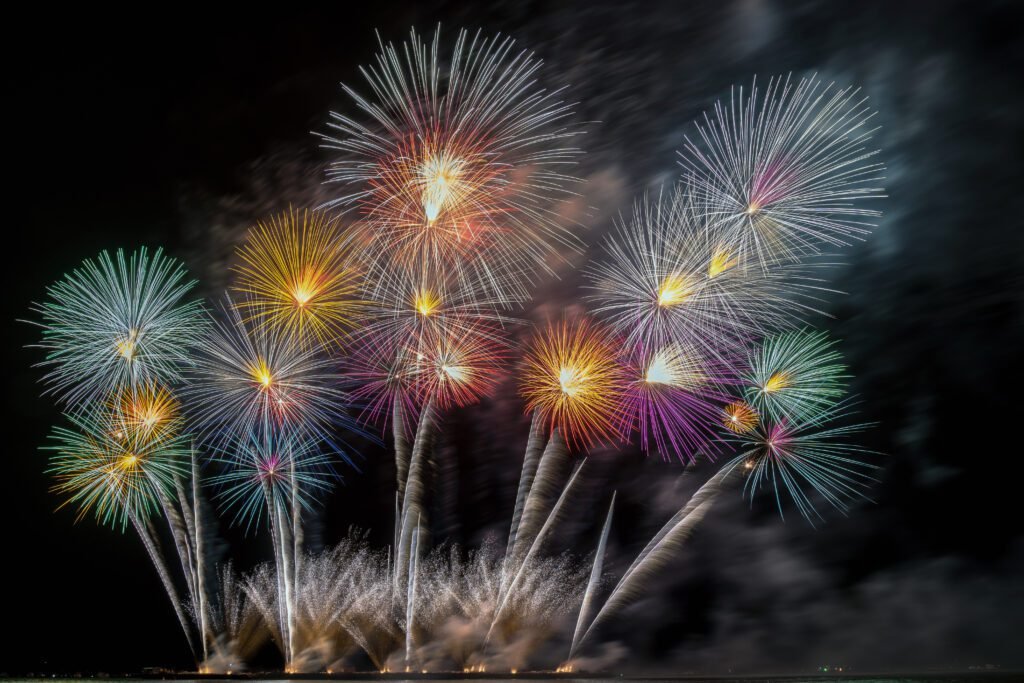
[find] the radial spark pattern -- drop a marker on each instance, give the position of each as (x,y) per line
(573,379)
(297,274)
(669,276)
(787,171)
(804,461)
(673,398)
(250,378)
(459,162)
(264,469)
(118,322)
(797,376)
(106,466)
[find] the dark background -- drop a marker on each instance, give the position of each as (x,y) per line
(179,129)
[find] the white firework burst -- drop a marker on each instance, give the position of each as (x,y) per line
(461,162)
(671,277)
(787,172)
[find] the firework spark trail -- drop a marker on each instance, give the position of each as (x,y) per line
(786,173)
(459,164)
(117,323)
(544,490)
(658,551)
(415,489)
(594,580)
(148,539)
(531,460)
(535,545)
(238,623)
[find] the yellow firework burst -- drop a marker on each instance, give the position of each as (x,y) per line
(740,417)
(298,277)
(573,379)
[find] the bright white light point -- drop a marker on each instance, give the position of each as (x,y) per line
(660,370)
(302,296)
(454,372)
(570,380)
(438,174)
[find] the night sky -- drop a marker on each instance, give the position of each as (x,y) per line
(180,130)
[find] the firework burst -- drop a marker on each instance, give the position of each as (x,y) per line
(460,161)
(786,172)
(250,378)
(573,380)
(796,375)
(262,468)
(673,399)
(669,276)
(296,274)
(740,417)
(105,465)
(148,412)
(804,459)
(425,304)
(118,322)
(460,368)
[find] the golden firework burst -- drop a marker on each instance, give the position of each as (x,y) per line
(298,277)
(573,379)
(740,417)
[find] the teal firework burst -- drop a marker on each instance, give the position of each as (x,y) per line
(797,376)
(106,465)
(806,461)
(265,470)
(118,322)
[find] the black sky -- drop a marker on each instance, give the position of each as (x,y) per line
(179,129)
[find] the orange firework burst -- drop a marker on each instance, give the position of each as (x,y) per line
(296,272)
(148,413)
(740,417)
(573,380)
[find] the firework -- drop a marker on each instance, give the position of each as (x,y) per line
(461,368)
(460,162)
(740,417)
(796,375)
(415,307)
(296,275)
(673,399)
(107,466)
(385,374)
(262,468)
(669,276)
(572,379)
(786,172)
(250,378)
(118,322)
(803,459)
(148,412)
